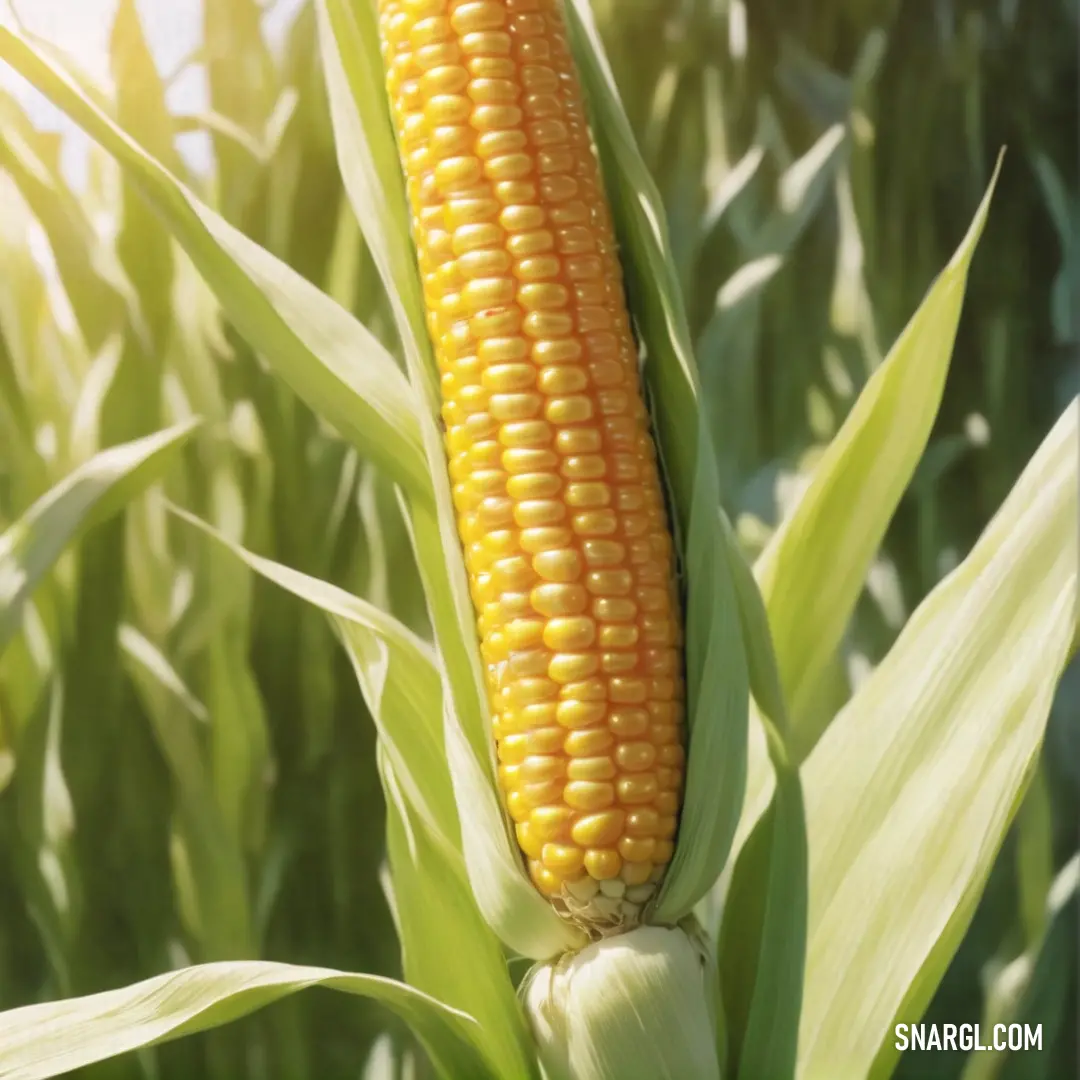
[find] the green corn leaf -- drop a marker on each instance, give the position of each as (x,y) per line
(438,922)
(814,567)
(397,674)
(932,756)
(51,1039)
(93,492)
(327,357)
(371,170)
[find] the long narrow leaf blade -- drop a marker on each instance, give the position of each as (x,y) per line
(327,357)
(911,790)
(54,1038)
(93,492)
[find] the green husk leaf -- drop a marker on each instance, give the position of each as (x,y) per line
(632,1006)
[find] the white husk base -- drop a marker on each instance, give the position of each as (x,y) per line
(637,1006)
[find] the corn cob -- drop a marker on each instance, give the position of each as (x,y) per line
(553,468)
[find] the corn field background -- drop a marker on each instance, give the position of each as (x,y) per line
(187,766)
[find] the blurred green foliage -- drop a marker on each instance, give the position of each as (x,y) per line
(186,766)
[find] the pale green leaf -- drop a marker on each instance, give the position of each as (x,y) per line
(93,492)
(398,677)
(438,923)
(813,570)
(911,790)
(324,354)
(53,1038)
(814,567)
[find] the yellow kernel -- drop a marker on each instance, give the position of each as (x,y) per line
(478,16)
(609,582)
(636,873)
(637,848)
(517,807)
(512,750)
(524,633)
(587,742)
(614,609)
(557,351)
(588,795)
(526,435)
(494,118)
(428,31)
(580,714)
(497,323)
(542,714)
(549,883)
(484,262)
(513,574)
(532,662)
(643,822)
(628,723)
(537,268)
(501,350)
(447,109)
(526,244)
(497,143)
(552,599)
(548,324)
(495,92)
(565,634)
(569,410)
(666,803)
(585,466)
(482,293)
(486,43)
(533,486)
(595,522)
(542,794)
(619,663)
(495,512)
(506,378)
(544,537)
(448,141)
(635,756)
(531,844)
(603,553)
(558,565)
(562,380)
(663,851)
(530,513)
(672,755)
(590,768)
(577,440)
(570,667)
(537,768)
(527,459)
(515,219)
(543,740)
(533,689)
(637,789)
(602,863)
(626,690)
(562,858)
(551,822)
(493,67)
(596,830)
(588,495)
